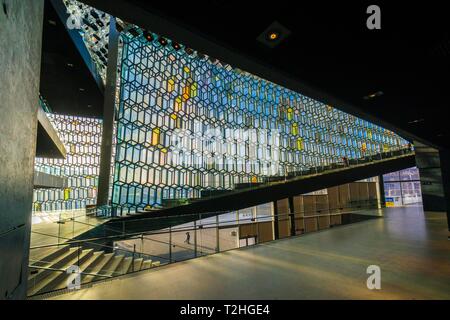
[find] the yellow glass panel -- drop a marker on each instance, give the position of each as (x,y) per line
(155,136)
(194,90)
(290,113)
(178,104)
(170,85)
(186,92)
(173,116)
(300,144)
(66,194)
(186,69)
(295,129)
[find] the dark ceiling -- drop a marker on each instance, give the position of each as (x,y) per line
(330,54)
(66,82)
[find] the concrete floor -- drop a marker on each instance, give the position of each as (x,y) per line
(409,246)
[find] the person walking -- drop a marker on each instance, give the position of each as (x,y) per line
(188,238)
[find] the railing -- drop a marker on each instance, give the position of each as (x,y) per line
(197,235)
(260,182)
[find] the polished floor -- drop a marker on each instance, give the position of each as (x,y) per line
(410,247)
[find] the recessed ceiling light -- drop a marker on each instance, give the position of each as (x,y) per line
(148,36)
(70,65)
(373,95)
(416,121)
(89,105)
(81,89)
(52,22)
(273,35)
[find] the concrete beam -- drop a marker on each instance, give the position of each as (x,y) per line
(48,144)
(49,181)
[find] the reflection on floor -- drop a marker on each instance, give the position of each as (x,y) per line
(409,246)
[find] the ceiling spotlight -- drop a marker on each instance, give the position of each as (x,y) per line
(373,95)
(70,65)
(416,121)
(162,41)
(148,36)
(274,34)
(176,46)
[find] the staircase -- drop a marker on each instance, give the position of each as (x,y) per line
(49,272)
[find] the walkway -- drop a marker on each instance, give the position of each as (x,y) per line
(410,246)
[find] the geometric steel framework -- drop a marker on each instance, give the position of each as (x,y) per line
(93,27)
(81,138)
(187,122)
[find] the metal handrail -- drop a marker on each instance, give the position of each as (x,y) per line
(161,231)
(63,270)
(81,241)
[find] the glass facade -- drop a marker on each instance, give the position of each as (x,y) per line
(187,122)
(402,187)
(81,138)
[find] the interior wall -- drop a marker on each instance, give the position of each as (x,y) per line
(429,163)
(20,56)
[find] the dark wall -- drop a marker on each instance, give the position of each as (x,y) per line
(429,164)
(20,57)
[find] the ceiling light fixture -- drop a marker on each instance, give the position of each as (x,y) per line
(274,34)
(416,121)
(176,46)
(162,41)
(373,95)
(148,36)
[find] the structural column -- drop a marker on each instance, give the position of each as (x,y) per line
(381,191)
(108,115)
(434,178)
(20,59)
(444,157)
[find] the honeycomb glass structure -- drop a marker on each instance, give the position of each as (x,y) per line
(93,26)
(81,138)
(187,122)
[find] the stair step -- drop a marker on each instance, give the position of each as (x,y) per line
(147,264)
(111,268)
(57,263)
(48,255)
(48,284)
(86,266)
(125,265)
(137,264)
(97,269)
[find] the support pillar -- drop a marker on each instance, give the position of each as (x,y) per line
(434,178)
(108,115)
(381,191)
(21,24)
